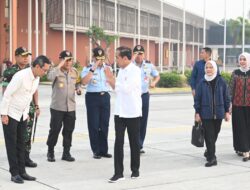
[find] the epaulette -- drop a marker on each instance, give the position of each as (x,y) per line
(75,70)
(89,65)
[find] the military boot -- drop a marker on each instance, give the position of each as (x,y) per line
(67,156)
(51,155)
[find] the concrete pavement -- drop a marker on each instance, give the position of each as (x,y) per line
(170,162)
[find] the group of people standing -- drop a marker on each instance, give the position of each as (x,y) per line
(215,100)
(131,86)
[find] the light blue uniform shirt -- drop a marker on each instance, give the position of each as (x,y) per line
(148,70)
(98,82)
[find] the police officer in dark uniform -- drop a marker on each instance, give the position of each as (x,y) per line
(149,78)
(22,61)
(97,100)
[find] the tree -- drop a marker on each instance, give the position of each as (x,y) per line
(234,29)
(98,35)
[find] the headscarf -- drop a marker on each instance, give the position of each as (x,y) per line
(247,56)
(214,65)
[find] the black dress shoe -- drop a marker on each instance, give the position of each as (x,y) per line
(27,177)
(210,163)
(51,157)
(68,157)
(107,155)
(30,163)
(96,156)
(142,151)
(17,179)
(245,159)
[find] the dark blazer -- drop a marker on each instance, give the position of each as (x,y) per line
(203,102)
(198,73)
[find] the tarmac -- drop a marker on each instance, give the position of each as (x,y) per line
(170,161)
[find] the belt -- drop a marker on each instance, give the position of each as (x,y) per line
(97,93)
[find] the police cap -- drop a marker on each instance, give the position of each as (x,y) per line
(138,49)
(99,53)
(65,55)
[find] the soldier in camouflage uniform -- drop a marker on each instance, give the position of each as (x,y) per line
(22,59)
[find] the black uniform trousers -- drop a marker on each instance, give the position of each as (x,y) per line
(59,118)
(144,118)
(14,142)
(98,114)
(133,127)
(212,128)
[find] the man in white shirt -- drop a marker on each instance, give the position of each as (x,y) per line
(14,113)
(128,110)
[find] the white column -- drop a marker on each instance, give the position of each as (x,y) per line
(11,30)
(225,35)
(161,39)
(37,30)
(178,55)
(118,22)
(243,28)
(169,52)
(193,46)
(63,25)
(178,49)
(99,15)
(139,21)
(90,25)
(148,56)
(115,44)
(30,25)
(198,47)
(204,23)
(44,28)
(170,61)
(184,39)
(134,38)
(74,32)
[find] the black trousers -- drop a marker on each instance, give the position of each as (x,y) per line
(98,114)
(212,129)
(14,142)
(144,118)
(59,118)
(132,125)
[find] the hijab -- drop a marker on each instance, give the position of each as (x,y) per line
(214,65)
(247,56)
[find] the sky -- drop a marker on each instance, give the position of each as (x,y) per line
(214,8)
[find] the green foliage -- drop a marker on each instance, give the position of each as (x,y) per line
(77,66)
(172,79)
(234,29)
(187,74)
(226,76)
(97,34)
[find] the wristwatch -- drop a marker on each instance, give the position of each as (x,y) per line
(91,70)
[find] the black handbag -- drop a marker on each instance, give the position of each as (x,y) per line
(198,135)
